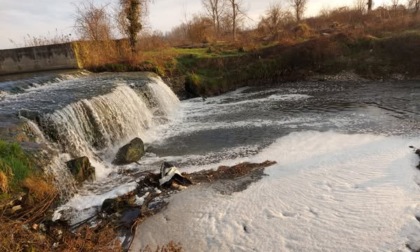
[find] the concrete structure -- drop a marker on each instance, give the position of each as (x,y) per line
(38,58)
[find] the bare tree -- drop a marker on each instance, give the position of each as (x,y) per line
(395,4)
(299,7)
(92,22)
(360,5)
(214,9)
(415,4)
(274,20)
(236,15)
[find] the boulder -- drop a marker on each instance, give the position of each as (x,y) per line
(129,153)
(119,204)
(81,169)
(110,206)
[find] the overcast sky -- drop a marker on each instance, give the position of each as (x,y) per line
(19,18)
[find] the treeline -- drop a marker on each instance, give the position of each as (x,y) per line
(114,37)
(221,20)
(225,20)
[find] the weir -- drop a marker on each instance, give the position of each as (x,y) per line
(38,58)
(108,113)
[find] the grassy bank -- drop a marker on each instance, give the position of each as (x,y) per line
(15,167)
(215,68)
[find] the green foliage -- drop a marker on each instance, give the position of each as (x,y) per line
(14,163)
(194,85)
(193,79)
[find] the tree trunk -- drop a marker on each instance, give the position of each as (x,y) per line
(370,4)
(234,16)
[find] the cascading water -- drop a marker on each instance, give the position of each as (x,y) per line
(96,127)
(91,116)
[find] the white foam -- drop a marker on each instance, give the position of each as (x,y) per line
(328,192)
(83,206)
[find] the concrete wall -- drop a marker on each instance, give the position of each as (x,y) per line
(38,58)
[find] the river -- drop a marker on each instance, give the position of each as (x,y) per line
(345,178)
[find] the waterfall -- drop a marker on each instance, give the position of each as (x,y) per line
(56,167)
(164,96)
(96,127)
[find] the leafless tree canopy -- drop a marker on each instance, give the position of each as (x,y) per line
(92,22)
(360,5)
(395,3)
(215,10)
(274,21)
(236,15)
(299,7)
(415,4)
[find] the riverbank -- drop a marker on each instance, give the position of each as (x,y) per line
(215,68)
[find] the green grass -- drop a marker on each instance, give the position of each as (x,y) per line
(14,163)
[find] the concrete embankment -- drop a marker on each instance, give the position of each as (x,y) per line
(38,58)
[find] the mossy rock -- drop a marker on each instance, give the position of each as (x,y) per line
(129,153)
(81,169)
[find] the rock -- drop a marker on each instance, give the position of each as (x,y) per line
(129,153)
(81,169)
(129,216)
(110,206)
(119,204)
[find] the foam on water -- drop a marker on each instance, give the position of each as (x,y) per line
(328,192)
(82,206)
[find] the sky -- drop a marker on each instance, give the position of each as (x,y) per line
(47,18)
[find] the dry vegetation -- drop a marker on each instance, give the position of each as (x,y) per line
(211,54)
(215,52)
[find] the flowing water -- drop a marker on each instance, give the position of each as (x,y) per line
(345,179)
